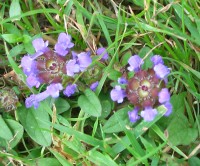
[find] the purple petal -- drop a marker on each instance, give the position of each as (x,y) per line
(34,100)
(102,52)
(32,80)
(84,60)
(133,115)
(72,67)
(118,94)
(94,85)
(64,44)
(163,95)
(70,90)
(27,64)
(156,59)
(54,89)
(161,70)
(149,114)
(135,62)
(40,45)
(122,80)
(169,107)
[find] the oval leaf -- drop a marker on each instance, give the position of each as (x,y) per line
(90,103)
(32,120)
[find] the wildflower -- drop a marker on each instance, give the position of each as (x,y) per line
(156,59)
(118,94)
(149,113)
(64,44)
(39,45)
(102,52)
(70,90)
(122,80)
(94,85)
(135,62)
(79,63)
(161,70)
(35,99)
(133,115)
(146,89)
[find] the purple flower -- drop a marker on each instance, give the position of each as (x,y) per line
(163,95)
(149,113)
(64,44)
(40,45)
(72,67)
(54,89)
(161,70)
(70,90)
(133,115)
(34,100)
(32,80)
(28,64)
(156,59)
(168,106)
(135,62)
(94,85)
(102,52)
(118,94)
(84,60)
(122,80)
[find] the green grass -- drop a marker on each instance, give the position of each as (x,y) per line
(64,132)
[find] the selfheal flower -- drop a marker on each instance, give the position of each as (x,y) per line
(169,107)
(84,60)
(149,113)
(156,59)
(64,44)
(35,99)
(54,89)
(72,67)
(133,115)
(32,80)
(135,62)
(39,45)
(122,80)
(102,52)
(161,70)
(94,85)
(163,95)
(70,90)
(118,94)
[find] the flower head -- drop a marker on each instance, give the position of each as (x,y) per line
(64,44)
(102,52)
(135,62)
(149,113)
(70,90)
(118,94)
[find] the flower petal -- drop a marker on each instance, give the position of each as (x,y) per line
(94,85)
(133,115)
(135,62)
(163,95)
(169,107)
(70,90)
(118,94)
(102,52)
(149,114)
(161,70)
(156,59)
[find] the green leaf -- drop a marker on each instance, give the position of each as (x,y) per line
(90,103)
(12,29)
(5,132)
(114,75)
(16,50)
(12,38)
(180,132)
(17,130)
(100,159)
(61,105)
(32,119)
(45,161)
(113,124)
(194,161)
(15,10)
(106,108)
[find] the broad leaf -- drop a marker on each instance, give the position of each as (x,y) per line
(90,103)
(5,132)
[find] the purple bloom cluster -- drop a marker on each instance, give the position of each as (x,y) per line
(145,89)
(50,66)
